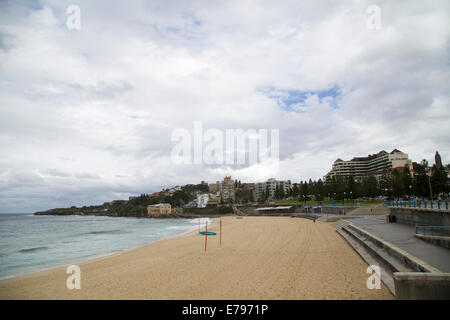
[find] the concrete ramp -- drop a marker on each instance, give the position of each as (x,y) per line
(369,210)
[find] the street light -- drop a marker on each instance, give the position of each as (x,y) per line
(344,198)
(431,191)
(351,197)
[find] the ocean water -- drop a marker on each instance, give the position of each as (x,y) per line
(30,243)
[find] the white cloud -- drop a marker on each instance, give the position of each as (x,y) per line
(86,115)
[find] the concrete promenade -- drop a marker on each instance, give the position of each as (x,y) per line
(403,237)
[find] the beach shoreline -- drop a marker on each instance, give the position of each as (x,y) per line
(260,258)
(99,256)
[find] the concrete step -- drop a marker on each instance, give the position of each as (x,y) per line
(385,273)
(392,263)
(406,258)
(340,224)
(405,275)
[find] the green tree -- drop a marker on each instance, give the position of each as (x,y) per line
(407,181)
(277,194)
(244,196)
(282,194)
(320,190)
(397,184)
(304,191)
(420,181)
(370,188)
(263,197)
(295,191)
(351,186)
(386,184)
(340,188)
(439,182)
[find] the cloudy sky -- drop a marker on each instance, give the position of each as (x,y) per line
(86,115)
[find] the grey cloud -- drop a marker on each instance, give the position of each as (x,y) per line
(87,115)
(57,173)
(6,41)
(85,175)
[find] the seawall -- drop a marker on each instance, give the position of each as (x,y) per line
(421,216)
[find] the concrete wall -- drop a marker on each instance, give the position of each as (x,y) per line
(436,240)
(208,211)
(421,217)
(177,210)
(337,209)
(422,286)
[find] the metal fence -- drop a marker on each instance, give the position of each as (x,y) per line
(426,204)
(433,231)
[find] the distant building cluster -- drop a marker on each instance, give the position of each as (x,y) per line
(229,191)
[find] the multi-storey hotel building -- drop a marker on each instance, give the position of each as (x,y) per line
(374,164)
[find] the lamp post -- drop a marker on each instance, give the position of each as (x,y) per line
(319,198)
(344,198)
(351,197)
(431,191)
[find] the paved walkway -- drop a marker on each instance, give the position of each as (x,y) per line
(402,236)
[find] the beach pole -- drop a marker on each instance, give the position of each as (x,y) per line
(206,236)
(220,231)
(198,224)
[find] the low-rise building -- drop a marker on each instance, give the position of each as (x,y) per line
(213,200)
(160,208)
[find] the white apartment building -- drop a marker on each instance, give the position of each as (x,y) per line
(202,200)
(374,164)
(271,185)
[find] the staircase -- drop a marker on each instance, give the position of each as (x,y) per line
(338,225)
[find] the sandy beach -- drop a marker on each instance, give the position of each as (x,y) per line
(260,258)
